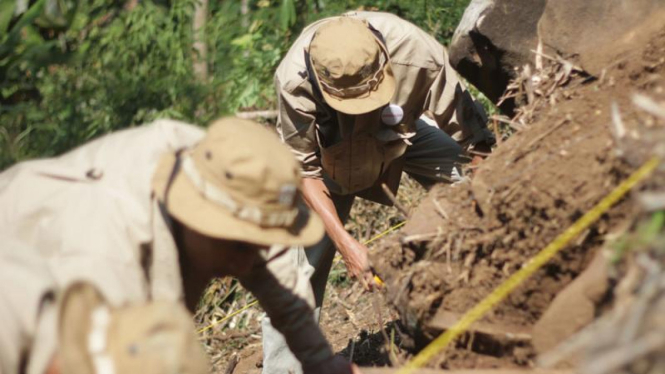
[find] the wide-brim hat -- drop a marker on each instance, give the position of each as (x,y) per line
(150,338)
(239,183)
(346,49)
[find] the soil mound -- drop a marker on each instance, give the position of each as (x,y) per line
(583,135)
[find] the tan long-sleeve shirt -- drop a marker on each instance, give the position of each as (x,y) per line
(27,309)
(92,215)
(426,83)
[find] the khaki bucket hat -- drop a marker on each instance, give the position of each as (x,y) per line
(153,338)
(351,66)
(239,183)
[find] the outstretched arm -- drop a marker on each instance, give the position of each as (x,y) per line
(283,290)
(353,253)
(297,127)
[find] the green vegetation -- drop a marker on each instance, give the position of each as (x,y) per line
(72,70)
(649,234)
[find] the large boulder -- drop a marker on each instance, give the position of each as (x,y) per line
(493,38)
(496,37)
(596,33)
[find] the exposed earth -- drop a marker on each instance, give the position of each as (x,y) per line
(464,240)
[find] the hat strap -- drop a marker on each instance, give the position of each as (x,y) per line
(97,341)
(360,89)
(221,198)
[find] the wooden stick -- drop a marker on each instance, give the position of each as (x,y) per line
(392,198)
(232,365)
(514,125)
(497,134)
(547,133)
(649,105)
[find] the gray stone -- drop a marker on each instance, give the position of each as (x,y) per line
(595,33)
(497,37)
(493,38)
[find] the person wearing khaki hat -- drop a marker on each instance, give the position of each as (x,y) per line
(156,212)
(49,329)
(361,98)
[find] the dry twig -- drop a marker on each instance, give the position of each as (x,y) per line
(649,105)
(542,136)
(619,128)
(394,200)
(232,364)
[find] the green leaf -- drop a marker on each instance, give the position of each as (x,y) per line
(9,44)
(288,14)
(6,13)
(33,12)
(10,90)
(650,231)
(32,36)
(242,41)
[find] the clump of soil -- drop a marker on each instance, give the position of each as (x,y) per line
(464,240)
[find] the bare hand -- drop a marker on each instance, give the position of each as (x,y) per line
(54,365)
(355,256)
(336,365)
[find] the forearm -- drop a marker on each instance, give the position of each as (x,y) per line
(283,290)
(319,199)
(354,253)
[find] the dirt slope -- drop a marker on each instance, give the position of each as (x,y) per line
(464,240)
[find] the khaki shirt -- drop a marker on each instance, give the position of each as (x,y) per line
(91,214)
(27,309)
(353,151)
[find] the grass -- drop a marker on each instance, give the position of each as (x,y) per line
(648,234)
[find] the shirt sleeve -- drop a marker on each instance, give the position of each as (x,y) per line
(296,125)
(27,310)
(451,105)
(282,288)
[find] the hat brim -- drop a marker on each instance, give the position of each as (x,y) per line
(76,307)
(184,202)
(365,103)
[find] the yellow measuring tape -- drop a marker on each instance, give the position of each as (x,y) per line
(439,344)
(228,316)
(376,278)
(381,235)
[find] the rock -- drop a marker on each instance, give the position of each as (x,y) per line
(493,38)
(496,37)
(573,308)
(596,32)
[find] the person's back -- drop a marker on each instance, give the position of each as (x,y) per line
(86,209)
(27,296)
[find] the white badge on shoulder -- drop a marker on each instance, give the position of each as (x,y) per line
(392,115)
